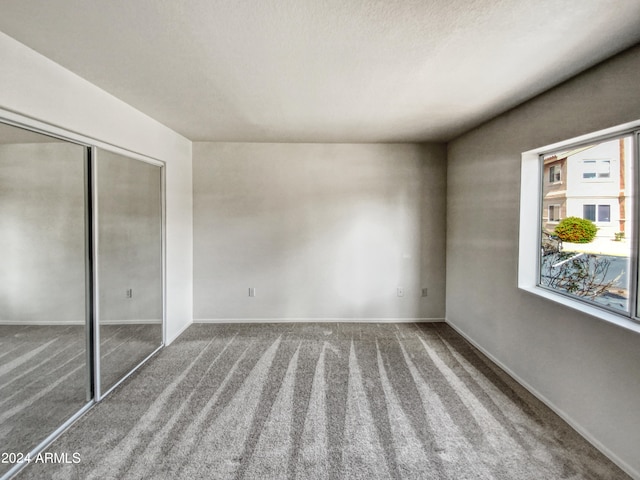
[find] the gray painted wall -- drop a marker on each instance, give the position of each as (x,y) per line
(42,244)
(586,368)
(323,231)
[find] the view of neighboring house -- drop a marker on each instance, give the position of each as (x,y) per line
(592,182)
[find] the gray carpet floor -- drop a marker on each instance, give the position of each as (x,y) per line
(322,401)
(123,347)
(43,375)
(42,383)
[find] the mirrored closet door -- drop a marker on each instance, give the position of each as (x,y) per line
(81,280)
(44,368)
(129,267)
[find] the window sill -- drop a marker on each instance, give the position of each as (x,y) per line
(619,320)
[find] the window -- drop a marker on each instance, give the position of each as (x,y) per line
(596,169)
(590,266)
(597,213)
(587,259)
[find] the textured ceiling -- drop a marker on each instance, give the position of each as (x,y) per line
(323,70)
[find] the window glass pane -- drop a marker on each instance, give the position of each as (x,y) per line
(603,168)
(604,213)
(577,257)
(589,169)
(589,212)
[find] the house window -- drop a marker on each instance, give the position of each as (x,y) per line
(597,213)
(587,267)
(596,169)
(554,173)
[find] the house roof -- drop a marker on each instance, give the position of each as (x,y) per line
(561,156)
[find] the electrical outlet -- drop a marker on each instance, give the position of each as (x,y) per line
(129,293)
(424,292)
(252,292)
(400,291)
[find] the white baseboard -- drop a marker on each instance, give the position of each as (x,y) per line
(40,323)
(317,320)
(146,321)
(79,322)
(561,413)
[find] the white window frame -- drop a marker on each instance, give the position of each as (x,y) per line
(532,170)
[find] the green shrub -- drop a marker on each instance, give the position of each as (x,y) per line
(576,230)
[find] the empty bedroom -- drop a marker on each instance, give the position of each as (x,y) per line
(319,239)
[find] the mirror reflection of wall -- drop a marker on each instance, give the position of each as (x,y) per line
(44,376)
(129,263)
